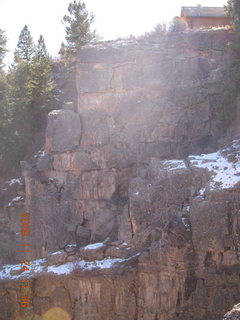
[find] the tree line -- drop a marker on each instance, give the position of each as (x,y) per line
(30,88)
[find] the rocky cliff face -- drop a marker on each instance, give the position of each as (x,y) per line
(167,231)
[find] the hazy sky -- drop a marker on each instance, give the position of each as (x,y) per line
(113,18)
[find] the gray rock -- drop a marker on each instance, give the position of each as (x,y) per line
(68,106)
(83,236)
(63,130)
(44,162)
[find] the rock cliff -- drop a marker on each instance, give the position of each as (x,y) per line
(139,170)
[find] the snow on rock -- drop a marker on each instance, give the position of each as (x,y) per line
(14,181)
(94,246)
(186,223)
(56,253)
(223,164)
(13,272)
(40,153)
(171,165)
(62,269)
(16,199)
(84,265)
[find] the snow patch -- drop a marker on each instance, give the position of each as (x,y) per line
(93,246)
(62,269)
(171,165)
(186,224)
(40,154)
(225,172)
(7,271)
(16,199)
(14,181)
(39,266)
(56,253)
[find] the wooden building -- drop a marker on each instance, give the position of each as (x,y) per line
(200,17)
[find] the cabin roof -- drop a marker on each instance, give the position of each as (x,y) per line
(203,12)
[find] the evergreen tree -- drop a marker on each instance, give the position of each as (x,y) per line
(26,95)
(9,148)
(42,82)
(78,27)
(3,42)
(233,9)
(25,47)
(177,25)
(20,89)
(20,73)
(78,33)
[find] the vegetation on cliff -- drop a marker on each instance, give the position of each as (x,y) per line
(78,32)
(30,88)
(29,93)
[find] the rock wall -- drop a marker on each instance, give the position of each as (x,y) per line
(137,100)
(103,177)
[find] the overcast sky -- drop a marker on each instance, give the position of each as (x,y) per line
(113,18)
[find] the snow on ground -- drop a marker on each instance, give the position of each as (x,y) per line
(171,165)
(223,164)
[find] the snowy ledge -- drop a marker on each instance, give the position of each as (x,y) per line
(223,164)
(37,267)
(172,165)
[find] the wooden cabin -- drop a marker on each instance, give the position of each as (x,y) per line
(200,17)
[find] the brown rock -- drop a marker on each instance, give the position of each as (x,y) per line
(57,259)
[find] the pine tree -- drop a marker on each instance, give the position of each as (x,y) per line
(233,10)
(78,27)
(42,82)
(10,150)
(20,72)
(177,25)
(78,33)
(29,95)
(25,47)
(19,79)
(3,50)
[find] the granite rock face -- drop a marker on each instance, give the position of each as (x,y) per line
(164,234)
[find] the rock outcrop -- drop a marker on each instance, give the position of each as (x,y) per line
(122,231)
